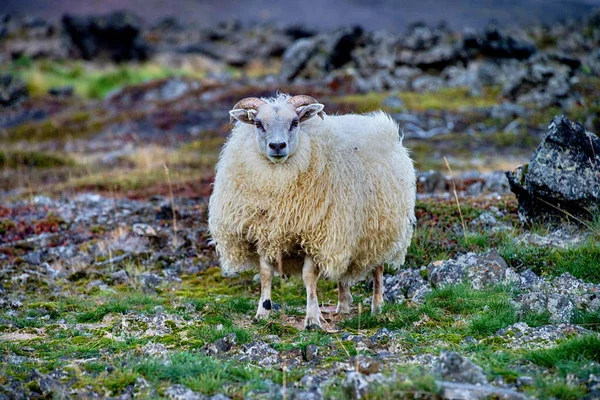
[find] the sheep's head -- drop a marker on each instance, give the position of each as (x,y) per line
(277,123)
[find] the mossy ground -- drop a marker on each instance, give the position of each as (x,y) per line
(81,332)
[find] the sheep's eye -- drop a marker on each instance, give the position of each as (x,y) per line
(259,125)
(294,124)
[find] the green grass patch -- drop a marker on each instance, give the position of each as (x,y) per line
(581,261)
(450,99)
(120,305)
(560,390)
(571,356)
(200,373)
(88,80)
(14,159)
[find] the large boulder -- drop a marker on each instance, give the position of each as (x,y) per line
(563,177)
(116,35)
(313,57)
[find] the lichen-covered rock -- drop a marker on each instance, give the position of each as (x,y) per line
(522,336)
(259,352)
(559,238)
(562,176)
(407,284)
(479,270)
(453,367)
(468,391)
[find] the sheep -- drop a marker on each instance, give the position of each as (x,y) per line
(316,195)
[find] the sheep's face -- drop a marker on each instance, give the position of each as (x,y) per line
(277,127)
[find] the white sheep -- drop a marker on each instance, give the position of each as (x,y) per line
(331,197)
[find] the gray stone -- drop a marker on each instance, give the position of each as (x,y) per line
(522,336)
(407,284)
(180,392)
(562,176)
(467,391)
(453,367)
(479,270)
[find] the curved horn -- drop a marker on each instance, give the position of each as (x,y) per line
(304,100)
(249,103)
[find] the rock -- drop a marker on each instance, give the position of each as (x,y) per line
(119,277)
(365,365)
(117,34)
(144,230)
(480,270)
(559,306)
(12,90)
(259,352)
(406,285)
(559,238)
(431,181)
(180,392)
(508,110)
(150,281)
(466,391)
(356,385)
(522,336)
(221,346)
(313,57)
(493,43)
(562,176)
(310,353)
(453,367)
(62,92)
(437,57)
(155,349)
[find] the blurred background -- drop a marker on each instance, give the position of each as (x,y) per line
(100,95)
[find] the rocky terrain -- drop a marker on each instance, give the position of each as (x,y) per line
(110,287)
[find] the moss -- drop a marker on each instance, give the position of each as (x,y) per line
(580,261)
(32,159)
(87,80)
(449,99)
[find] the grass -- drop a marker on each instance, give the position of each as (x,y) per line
(87,80)
(14,159)
(573,356)
(450,99)
(119,306)
(483,312)
(580,261)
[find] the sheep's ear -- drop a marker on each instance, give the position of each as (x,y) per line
(243,115)
(309,111)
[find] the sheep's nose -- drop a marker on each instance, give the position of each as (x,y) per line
(277,146)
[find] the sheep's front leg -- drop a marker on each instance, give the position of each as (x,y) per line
(266,278)
(377,302)
(310,278)
(344,298)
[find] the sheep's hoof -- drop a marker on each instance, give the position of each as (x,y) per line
(375,309)
(342,309)
(313,327)
(313,324)
(261,314)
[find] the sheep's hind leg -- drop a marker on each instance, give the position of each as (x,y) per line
(377,302)
(266,278)
(310,278)
(344,298)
